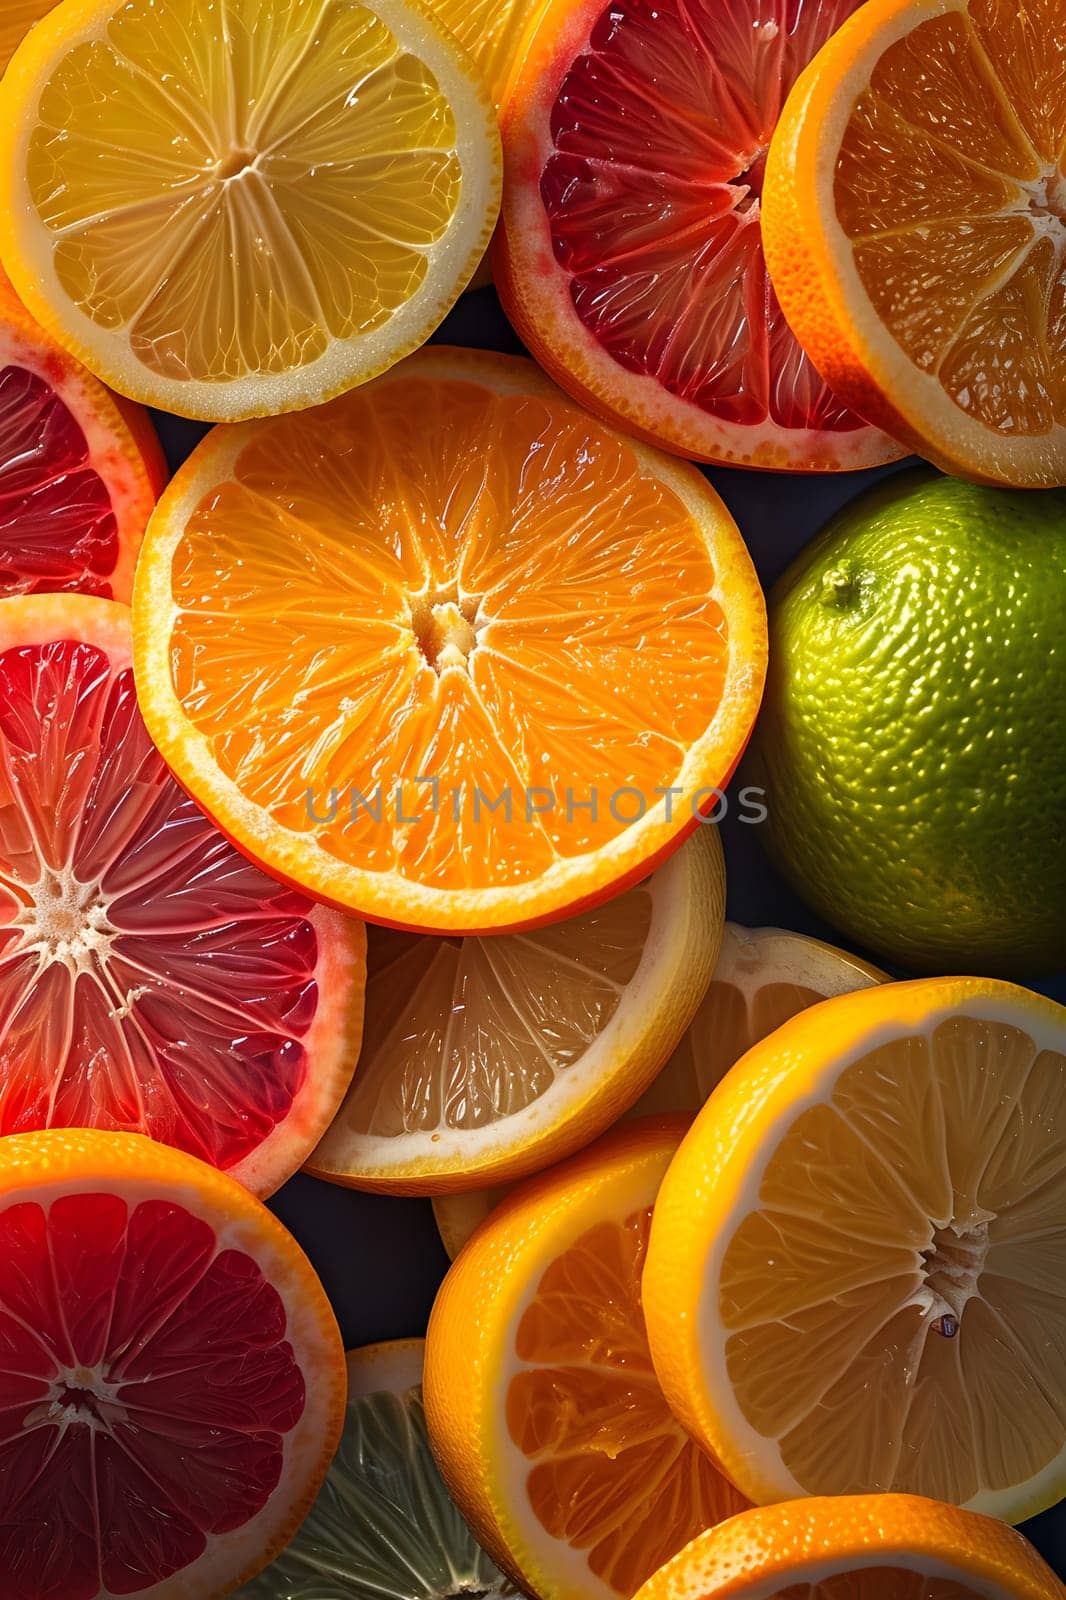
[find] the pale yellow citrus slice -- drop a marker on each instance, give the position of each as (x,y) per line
(16,19)
(495,33)
(854,1280)
(857,1547)
(448,652)
(762,977)
(240,208)
(544,1411)
(486,1059)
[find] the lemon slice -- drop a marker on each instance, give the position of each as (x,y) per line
(854,1280)
(233,208)
(486,1058)
(763,977)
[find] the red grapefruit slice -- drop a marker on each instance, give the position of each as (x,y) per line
(172,1379)
(80,470)
(630,258)
(151,978)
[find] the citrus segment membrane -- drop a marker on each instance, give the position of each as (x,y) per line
(611,1473)
(963,258)
(18,17)
(243,205)
(653,123)
(410,666)
(169,1373)
(151,978)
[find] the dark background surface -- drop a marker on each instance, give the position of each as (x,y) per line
(381,1258)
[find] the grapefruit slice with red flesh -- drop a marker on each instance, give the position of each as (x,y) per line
(172,1380)
(80,470)
(152,979)
(630,256)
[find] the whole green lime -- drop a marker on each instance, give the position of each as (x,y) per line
(912,742)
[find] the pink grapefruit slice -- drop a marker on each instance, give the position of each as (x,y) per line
(152,980)
(630,257)
(172,1378)
(80,470)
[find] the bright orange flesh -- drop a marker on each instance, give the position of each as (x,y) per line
(451,574)
(17,18)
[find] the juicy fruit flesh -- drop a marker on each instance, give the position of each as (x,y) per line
(491,30)
(16,19)
(464,1032)
(950,187)
(927,1192)
(473,598)
(879,1583)
(612,1473)
(124,1417)
(652,195)
(383,1524)
(57,524)
(151,979)
(306,183)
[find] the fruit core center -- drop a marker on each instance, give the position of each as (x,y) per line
(752,179)
(80,1395)
(235,163)
(66,920)
(951,1267)
(445,626)
(1047,197)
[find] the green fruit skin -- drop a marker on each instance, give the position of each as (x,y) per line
(912,741)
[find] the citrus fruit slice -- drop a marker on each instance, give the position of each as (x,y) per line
(152,980)
(449,652)
(487,1059)
(383,1524)
(171,1374)
(494,33)
(16,20)
(544,1411)
(762,977)
(854,1276)
(79,469)
(915,202)
(630,257)
(857,1547)
(242,212)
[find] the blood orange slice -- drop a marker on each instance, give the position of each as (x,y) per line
(151,979)
(79,469)
(631,254)
(172,1378)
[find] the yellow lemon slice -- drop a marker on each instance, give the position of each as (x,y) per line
(233,208)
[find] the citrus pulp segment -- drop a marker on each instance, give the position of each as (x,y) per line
(915,224)
(384,1526)
(630,257)
(544,1411)
(494,32)
(151,978)
(449,652)
(484,1060)
(171,1375)
(17,19)
(233,208)
(857,1547)
(853,1281)
(79,469)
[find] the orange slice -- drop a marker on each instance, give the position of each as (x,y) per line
(495,32)
(172,1378)
(763,976)
(244,209)
(854,1278)
(79,469)
(449,652)
(16,20)
(486,1059)
(543,1409)
(857,1547)
(915,228)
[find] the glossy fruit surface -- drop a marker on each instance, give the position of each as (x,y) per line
(232,208)
(630,257)
(544,1411)
(852,1282)
(915,784)
(484,1060)
(914,205)
(80,470)
(449,652)
(151,978)
(171,1374)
